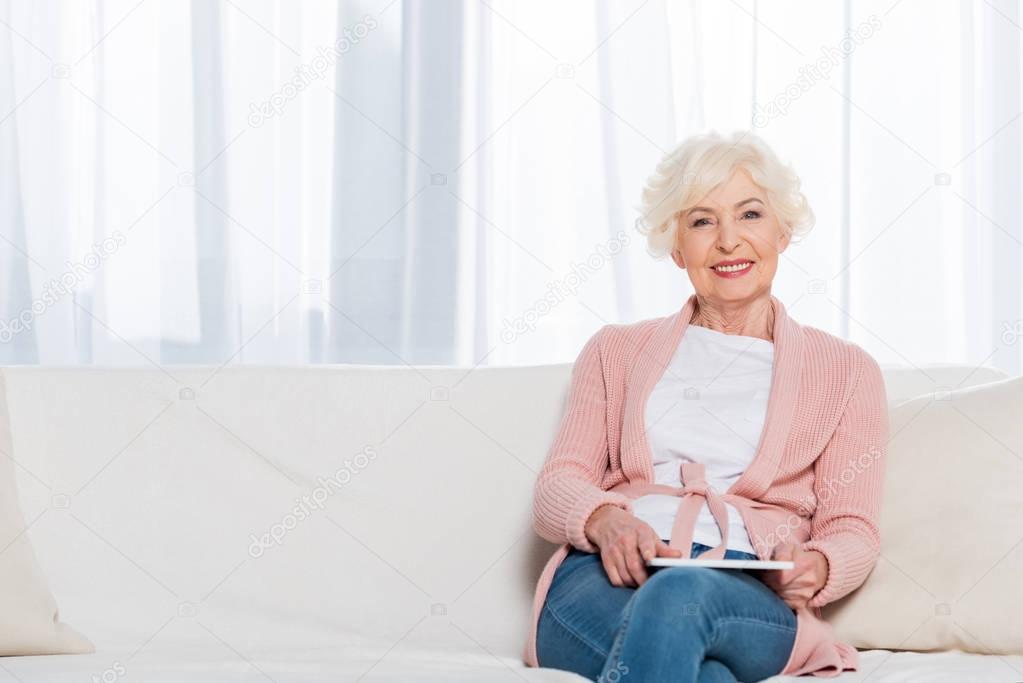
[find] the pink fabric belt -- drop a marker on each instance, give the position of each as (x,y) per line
(693,491)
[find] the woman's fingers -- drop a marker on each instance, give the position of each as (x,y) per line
(621,567)
(647,547)
(626,544)
(636,564)
(795,593)
(611,568)
(665,550)
(627,563)
(794,586)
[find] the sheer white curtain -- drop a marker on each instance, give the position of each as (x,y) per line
(455,181)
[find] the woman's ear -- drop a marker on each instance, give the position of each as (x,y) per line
(676,256)
(676,253)
(784,239)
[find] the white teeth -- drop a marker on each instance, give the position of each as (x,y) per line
(733,269)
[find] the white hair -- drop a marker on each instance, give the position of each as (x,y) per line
(702,162)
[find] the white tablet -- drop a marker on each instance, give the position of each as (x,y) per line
(724,564)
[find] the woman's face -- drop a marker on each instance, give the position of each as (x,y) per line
(733,224)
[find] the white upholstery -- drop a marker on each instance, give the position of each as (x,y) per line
(952,482)
(905,382)
(146,488)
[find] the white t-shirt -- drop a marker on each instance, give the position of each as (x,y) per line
(708,406)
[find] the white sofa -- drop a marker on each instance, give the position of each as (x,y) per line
(144,490)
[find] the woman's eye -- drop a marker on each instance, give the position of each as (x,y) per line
(699,222)
(751,214)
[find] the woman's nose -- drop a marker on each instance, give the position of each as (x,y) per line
(728,239)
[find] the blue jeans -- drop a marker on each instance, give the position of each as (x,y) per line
(683,624)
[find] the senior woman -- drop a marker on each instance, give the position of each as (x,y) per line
(725,430)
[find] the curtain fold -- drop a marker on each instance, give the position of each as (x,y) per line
(216,287)
(456,182)
(18,342)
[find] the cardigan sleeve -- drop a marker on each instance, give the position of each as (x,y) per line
(848,477)
(567,490)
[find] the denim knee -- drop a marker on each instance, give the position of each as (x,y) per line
(671,592)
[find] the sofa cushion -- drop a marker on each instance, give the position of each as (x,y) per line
(903,382)
(951,528)
(29,623)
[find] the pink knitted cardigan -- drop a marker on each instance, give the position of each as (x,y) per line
(815,478)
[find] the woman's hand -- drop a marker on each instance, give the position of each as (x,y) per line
(797,585)
(626,543)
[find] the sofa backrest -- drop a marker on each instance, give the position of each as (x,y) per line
(275,505)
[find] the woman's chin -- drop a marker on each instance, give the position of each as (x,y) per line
(731,290)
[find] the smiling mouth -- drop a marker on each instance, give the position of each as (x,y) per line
(733,268)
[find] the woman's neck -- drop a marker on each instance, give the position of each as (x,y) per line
(753,319)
